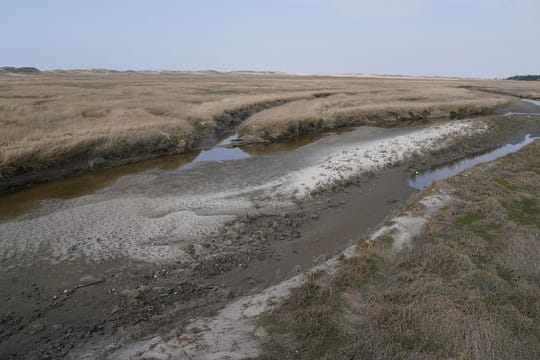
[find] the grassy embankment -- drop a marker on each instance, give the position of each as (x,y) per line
(467,288)
(367,108)
(53,119)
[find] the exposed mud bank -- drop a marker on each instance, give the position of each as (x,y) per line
(157,252)
(235,332)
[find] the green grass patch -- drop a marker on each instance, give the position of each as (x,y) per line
(474,223)
(306,325)
(481,260)
(412,338)
(506,273)
(535,168)
(387,240)
(487,231)
(201,127)
(506,183)
(524,212)
(469,219)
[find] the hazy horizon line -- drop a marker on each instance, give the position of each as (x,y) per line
(287,72)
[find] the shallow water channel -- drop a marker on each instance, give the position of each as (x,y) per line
(535,102)
(225,168)
(26,200)
(424,179)
(145,213)
(420,181)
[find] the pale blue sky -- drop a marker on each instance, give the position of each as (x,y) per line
(486,38)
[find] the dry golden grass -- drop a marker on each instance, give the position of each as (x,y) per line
(381,102)
(469,287)
(523,89)
(51,119)
(56,118)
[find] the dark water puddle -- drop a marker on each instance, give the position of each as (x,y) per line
(289,144)
(220,152)
(227,151)
(525,109)
(444,172)
(23,201)
(521,114)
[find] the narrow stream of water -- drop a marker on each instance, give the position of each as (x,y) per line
(535,102)
(444,172)
(220,152)
(424,179)
(26,200)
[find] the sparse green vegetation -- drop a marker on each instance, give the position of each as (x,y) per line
(524,211)
(504,182)
(469,219)
(469,288)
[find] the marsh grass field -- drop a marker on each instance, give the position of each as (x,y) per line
(196,255)
(88,119)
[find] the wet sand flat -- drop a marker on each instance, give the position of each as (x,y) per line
(161,245)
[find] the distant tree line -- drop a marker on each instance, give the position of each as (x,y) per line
(525,77)
(20,70)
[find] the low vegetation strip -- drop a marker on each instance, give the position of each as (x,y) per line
(467,286)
